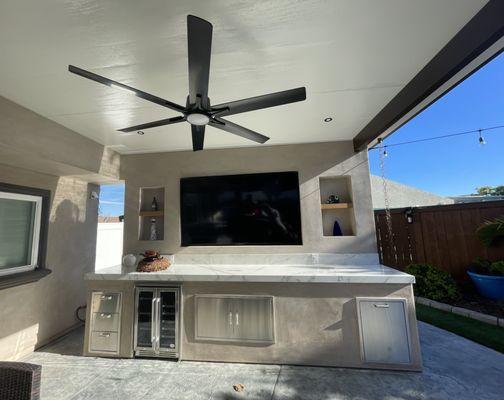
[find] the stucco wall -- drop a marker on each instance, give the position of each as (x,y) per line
(400,195)
(315,324)
(34,313)
(312,161)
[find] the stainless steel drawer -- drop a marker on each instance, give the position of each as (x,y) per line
(106,302)
(107,342)
(105,322)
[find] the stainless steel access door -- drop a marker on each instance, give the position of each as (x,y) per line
(253,319)
(214,318)
(240,318)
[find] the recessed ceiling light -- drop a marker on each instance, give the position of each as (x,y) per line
(328,119)
(141,132)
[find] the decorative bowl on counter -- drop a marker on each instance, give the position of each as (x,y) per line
(152,262)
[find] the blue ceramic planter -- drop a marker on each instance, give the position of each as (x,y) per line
(488,285)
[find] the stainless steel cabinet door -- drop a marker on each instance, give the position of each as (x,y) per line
(214,318)
(234,318)
(253,319)
(384,331)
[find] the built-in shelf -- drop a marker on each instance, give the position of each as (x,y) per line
(335,206)
(151,213)
(148,217)
(342,212)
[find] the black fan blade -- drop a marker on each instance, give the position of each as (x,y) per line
(264,101)
(118,85)
(199,43)
(153,124)
(198,136)
(231,127)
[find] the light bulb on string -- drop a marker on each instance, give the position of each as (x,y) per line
(385,154)
(481,139)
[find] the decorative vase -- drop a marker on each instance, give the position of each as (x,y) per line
(337,229)
(153,230)
(129,261)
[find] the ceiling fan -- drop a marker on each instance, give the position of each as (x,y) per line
(198,111)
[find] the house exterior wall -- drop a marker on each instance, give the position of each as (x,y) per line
(312,161)
(400,195)
(40,153)
(32,314)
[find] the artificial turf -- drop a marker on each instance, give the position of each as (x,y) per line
(488,335)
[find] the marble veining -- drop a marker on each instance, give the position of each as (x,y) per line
(266,268)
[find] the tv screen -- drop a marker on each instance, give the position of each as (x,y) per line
(252,209)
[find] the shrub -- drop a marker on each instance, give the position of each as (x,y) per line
(433,283)
(497,268)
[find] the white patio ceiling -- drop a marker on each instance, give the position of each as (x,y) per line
(352,56)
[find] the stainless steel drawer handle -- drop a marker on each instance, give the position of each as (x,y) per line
(104,334)
(103,297)
(230,319)
(237,317)
(105,315)
(381,305)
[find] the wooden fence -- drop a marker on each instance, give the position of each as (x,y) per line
(439,235)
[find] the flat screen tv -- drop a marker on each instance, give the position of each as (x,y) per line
(252,209)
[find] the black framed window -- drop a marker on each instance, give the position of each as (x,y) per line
(24,220)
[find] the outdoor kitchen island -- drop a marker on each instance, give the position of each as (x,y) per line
(342,310)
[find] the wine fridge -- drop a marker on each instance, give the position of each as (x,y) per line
(157,322)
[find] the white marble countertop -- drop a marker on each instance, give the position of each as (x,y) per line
(344,271)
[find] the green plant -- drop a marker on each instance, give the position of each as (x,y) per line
(491,231)
(497,268)
(433,283)
(483,266)
(480,265)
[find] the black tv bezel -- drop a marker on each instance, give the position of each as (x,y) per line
(183,244)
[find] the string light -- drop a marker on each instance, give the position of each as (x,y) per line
(481,139)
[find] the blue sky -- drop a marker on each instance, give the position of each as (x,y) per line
(111,200)
(449,166)
(455,165)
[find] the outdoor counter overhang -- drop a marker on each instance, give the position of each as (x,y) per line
(295,268)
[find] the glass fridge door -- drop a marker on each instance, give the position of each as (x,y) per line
(168,320)
(145,331)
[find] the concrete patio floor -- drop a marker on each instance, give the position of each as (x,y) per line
(454,368)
